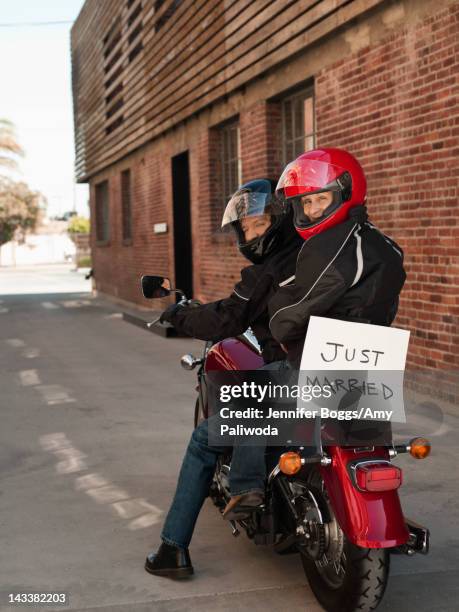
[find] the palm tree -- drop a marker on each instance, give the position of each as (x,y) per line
(10,149)
(20,207)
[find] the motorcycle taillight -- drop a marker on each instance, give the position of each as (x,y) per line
(378,477)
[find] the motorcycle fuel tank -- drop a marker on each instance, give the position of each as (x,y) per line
(233,354)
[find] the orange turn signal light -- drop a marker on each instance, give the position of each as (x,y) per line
(419,448)
(290,463)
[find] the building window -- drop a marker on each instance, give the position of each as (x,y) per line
(230,159)
(102,213)
(126,205)
(298,133)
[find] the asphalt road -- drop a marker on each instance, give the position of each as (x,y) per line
(95,416)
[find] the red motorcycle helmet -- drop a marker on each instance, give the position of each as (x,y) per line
(317,171)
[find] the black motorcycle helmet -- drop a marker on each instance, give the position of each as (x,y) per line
(256,199)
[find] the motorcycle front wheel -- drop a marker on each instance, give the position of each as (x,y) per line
(356,582)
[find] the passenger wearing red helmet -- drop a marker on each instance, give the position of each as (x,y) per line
(346,267)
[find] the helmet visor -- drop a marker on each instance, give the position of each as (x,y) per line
(245,203)
(308,176)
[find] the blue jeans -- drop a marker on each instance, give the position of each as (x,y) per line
(248,473)
(195,478)
(248,465)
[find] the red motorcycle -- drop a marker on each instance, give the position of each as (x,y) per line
(339,509)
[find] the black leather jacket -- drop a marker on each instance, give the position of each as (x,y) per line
(351,271)
(247,306)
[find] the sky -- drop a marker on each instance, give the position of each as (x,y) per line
(35,94)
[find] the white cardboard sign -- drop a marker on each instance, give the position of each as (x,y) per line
(332,344)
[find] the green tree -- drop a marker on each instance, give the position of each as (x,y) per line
(78,225)
(20,209)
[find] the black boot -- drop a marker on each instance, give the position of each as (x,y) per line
(241,506)
(169,561)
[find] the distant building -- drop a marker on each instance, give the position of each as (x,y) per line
(178,102)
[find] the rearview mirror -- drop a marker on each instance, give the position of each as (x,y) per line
(155,286)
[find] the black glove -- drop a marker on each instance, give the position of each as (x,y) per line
(170,312)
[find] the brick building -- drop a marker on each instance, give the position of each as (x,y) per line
(177,102)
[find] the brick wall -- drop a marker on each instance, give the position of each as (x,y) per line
(216,260)
(395,106)
(118,267)
(393,103)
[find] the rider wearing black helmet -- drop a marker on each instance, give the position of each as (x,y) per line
(267,238)
(254,204)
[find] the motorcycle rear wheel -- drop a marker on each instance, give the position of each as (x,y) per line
(358,582)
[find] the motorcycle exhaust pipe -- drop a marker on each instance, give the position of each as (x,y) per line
(418,541)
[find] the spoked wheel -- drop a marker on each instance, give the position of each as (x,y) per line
(342,576)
